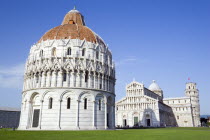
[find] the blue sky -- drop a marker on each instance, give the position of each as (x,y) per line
(163,40)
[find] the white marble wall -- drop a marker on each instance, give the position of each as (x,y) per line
(51,73)
(61,118)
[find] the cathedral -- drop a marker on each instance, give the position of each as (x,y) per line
(69,80)
(146,107)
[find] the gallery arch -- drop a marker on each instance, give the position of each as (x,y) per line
(35,110)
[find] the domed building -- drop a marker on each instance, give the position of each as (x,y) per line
(154,87)
(146,107)
(69,80)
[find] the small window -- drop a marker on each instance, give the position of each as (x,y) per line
(69,51)
(83,52)
(50,103)
(99,104)
(64,76)
(97,54)
(189,87)
(41,53)
(71,22)
(85,103)
(177,117)
(68,103)
(54,52)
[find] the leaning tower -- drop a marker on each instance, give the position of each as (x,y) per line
(192,92)
(69,80)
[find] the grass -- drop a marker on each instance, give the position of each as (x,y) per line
(132,134)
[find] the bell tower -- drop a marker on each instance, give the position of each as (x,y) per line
(192,92)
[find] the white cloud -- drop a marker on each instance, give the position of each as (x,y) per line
(12,77)
(125,61)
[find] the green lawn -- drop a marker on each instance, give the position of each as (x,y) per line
(132,134)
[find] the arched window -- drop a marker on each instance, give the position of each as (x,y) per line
(97,54)
(41,53)
(71,22)
(50,103)
(69,51)
(68,103)
(37,78)
(83,52)
(99,104)
(54,52)
(85,103)
(64,76)
(86,76)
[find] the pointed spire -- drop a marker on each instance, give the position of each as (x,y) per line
(74,7)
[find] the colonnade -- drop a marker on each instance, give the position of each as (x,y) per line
(137,106)
(63,78)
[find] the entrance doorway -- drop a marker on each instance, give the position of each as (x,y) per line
(148,122)
(136,121)
(36,118)
(124,122)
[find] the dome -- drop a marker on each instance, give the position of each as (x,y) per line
(72,27)
(154,86)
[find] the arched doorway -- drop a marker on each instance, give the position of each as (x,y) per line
(124,121)
(148,120)
(100,111)
(35,107)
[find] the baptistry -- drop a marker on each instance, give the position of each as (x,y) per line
(69,80)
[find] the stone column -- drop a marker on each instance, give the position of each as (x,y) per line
(105,83)
(59,114)
(99,81)
(60,78)
(78,79)
(30,82)
(30,110)
(94,80)
(74,79)
(54,79)
(94,113)
(67,79)
(102,84)
(43,81)
(77,114)
(48,79)
(34,81)
(83,79)
(40,116)
(105,115)
(40,80)
(71,79)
